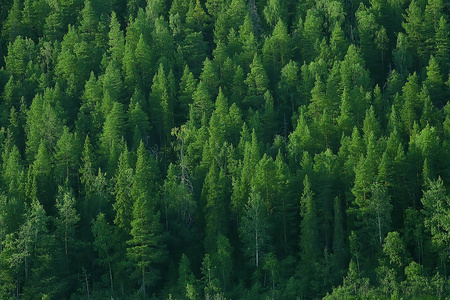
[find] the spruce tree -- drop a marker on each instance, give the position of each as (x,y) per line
(145,248)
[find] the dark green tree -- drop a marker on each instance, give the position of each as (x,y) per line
(309,237)
(145,248)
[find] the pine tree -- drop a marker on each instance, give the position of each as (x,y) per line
(379,212)
(202,106)
(88,23)
(179,204)
(18,58)
(66,157)
(275,11)
(338,42)
(36,242)
(138,124)
(435,82)
(113,90)
(213,197)
(113,129)
(116,40)
(254,229)
(196,17)
(311,30)
(192,49)
(367,27)
(442,44)
(40,183)
(249,43)
(238,86)
(309,236)
(133,7)
(145,246)
(66,221)
(433,12)
(12,26)
(339,247)
(215,7)
(123,205)
(410,108)
(276,51)
(188,85)
(257,83)
(284,208)
(90,116)
(141,67)
(13,174)
(104,244)
(300,140)
(241,185)
(223,260)
(436,202)
(415,32)
(74,62)
(161,105)
(371,125)
(319,101)
(186,279)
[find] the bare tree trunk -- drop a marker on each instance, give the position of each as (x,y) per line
(86,282)
(111,277)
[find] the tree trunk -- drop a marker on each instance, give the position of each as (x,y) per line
(111,277)
(143,282)
(256,248)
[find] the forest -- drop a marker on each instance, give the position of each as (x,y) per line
(224,149)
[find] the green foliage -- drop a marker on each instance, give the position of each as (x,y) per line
(259,149)
(435,201)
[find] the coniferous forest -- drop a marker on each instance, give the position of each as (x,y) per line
(224,149)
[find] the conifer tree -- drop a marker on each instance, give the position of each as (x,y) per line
(113,129)
(415,32)
(12,26)
(411,106)
(113,89)
(40,184)
(223,260)
(276,51)
(309,236)
(123,205)
(116,40)
(257,83)
(186,279)
(289,87)
(249,43)
(138,124)
(39,259)
(161,105)
(435,201)
(379,210)
(66,220)
(274,11)
(142,65)
(442,45)
(188,85)
(145,247)
(338,42)
(66,157)
(213,195)
(253,229)
(311,29)
(104,244)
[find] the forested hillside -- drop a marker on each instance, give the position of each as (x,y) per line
(212,149)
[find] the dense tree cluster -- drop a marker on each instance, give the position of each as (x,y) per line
(212,149)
